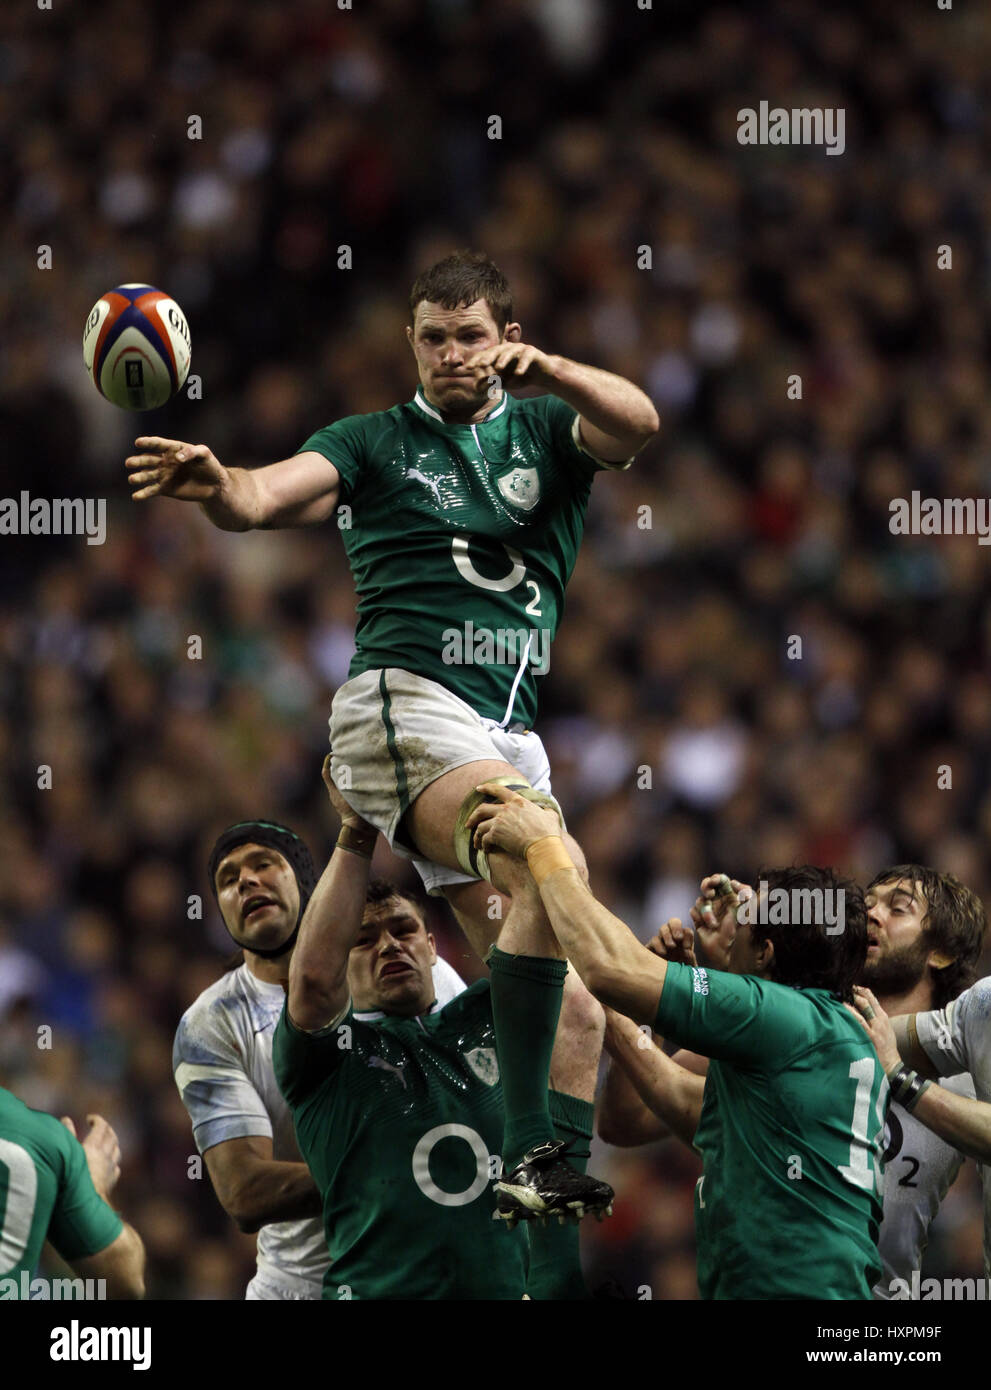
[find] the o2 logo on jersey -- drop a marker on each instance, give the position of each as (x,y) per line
(464,566)
(515,575)
(483,1165)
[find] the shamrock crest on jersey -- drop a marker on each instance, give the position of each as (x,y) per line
(521,487)
(484,1064)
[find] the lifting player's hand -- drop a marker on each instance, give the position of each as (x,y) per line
(102,1149)
(170,468)
(348,815)
(518,364)
(512,824)
(714,916)
(877,1025)
(674,942)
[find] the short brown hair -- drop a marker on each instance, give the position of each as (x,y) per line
(954,923)
(461,278)
(383,890)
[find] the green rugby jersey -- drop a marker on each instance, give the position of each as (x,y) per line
(789,1204)
(46,1193)
(461,540)
(400,1121)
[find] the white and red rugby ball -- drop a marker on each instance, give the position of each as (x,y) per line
(136,347)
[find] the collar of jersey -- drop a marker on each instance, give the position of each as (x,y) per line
(372,1015)
(424,406)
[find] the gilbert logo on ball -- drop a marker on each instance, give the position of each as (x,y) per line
(136,347)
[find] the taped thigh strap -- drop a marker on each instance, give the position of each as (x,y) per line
(472,860)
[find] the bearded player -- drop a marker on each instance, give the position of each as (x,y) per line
(464,513)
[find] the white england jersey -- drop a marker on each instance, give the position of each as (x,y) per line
(222,1060)
(919,1168)
(956,1039)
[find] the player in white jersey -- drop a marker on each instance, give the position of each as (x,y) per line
(925,932)
(263,876)
(940,1042)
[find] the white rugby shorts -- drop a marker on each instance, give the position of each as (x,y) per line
(392,733)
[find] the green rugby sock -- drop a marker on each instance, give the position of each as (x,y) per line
(555,1260)
(526,1005)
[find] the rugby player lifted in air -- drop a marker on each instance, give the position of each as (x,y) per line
(465,511)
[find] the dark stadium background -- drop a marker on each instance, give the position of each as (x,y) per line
(368,128)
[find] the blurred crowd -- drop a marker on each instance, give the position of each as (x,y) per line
(688,729)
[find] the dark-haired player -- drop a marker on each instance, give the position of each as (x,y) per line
(924,934)
(262,875)
(461,512)
(398,1107)
(790,1132)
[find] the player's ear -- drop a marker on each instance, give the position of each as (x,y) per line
(939,960)
(409,334)
(433,947)
(512,333)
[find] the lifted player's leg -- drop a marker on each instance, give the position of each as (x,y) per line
(526,982)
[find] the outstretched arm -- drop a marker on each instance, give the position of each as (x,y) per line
(614,966)
(962,1122)
(647,1095)
(318,972)
(298,491)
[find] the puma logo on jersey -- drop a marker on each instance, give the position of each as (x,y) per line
(383,1065)
(433,484)
(521,488)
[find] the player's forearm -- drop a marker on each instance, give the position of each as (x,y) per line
(237,504)
(609,402)
(962,1122)
(128,1277)
(912,1051)
(275,1191)
(621,1117)
(318,988)
(670,1093)
(612,963)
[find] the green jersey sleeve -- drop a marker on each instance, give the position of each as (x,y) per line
(82,1223)
(303,1060)
(732,1018)
(343,443)
(558,420)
